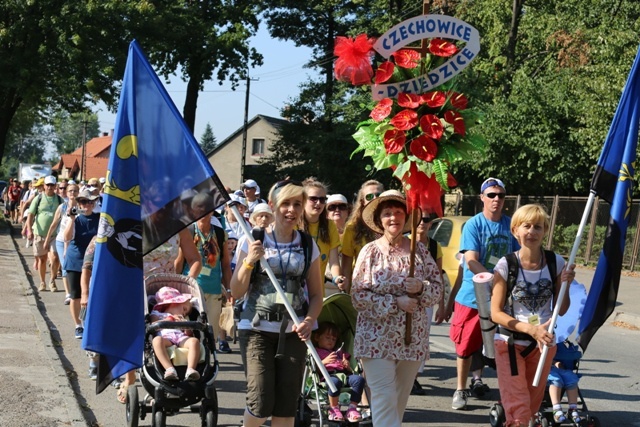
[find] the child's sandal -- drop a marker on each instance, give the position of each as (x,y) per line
(575,416)
(353,416)
(171,374)
(335,414)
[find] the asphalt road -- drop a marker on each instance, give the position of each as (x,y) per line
(610,380)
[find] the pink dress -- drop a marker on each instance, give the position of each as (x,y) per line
(378,279)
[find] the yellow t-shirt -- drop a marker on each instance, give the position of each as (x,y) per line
(349,246)
(324,247)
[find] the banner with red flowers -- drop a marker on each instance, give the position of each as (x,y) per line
(421,124)
(434,27)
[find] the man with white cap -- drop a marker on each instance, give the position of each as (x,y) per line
(39,219)
(251,191)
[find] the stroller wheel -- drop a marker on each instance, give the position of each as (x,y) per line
(544,422)
(159,419)
(211,418)
(592,422)
(132,406)
(496,415)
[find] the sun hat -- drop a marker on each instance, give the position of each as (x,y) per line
(49,179)
(86,194)
(491,182)
(261,208)
(102,180)
(39,182)
(336,198)
(370,210)
(168,295)
(250,183)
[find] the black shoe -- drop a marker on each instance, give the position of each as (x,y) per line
(223,347)
(417,389)
(478,388)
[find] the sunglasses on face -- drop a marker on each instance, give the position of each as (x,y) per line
(50,185)
(369,197)
(62,188)
(337,207)
(87,202)
(315,199)
(493,195)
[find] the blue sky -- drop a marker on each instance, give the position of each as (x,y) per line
(278,81)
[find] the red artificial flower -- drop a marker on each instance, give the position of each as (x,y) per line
(384,72)
(458,100)
(431,126)
(406,58)
(434,99)
(422,191)
(424,148)
(394,140)
(456,120)
(382,110)
(405,120)
(451,181)
(409,100)
(354,59)
(441,47)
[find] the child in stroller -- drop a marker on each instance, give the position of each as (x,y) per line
(338,365)
(563,377)
(171,305)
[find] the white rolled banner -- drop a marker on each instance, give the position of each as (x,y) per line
(482,283)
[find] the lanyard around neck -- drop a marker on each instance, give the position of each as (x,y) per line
(284,270)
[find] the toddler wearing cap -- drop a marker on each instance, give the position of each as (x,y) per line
(171,305)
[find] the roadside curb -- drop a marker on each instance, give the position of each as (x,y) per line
(628,318)
(67,393)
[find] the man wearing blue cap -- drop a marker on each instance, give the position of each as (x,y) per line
(485,239)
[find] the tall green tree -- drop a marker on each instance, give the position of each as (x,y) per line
(70,129)
(208,140)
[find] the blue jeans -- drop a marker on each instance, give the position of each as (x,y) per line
(356,383)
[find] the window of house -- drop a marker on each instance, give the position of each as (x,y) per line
(257,147)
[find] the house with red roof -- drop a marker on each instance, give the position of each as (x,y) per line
(96,160)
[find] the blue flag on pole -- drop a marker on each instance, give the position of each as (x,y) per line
(613,182)
(155,168)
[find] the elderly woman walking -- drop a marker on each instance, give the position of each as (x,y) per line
(383,294)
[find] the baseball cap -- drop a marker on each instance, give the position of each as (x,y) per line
(336,198)
(39,182)
(250,183)
(491,182)
(102,180)
(237,200)
(49,179)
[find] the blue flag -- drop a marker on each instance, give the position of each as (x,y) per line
(613,181)
(156,167)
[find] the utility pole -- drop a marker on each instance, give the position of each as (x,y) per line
(244,130)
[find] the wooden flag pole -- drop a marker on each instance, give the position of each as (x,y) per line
(415,221)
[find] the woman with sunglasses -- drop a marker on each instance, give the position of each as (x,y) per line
(356,233)
(323,231)
(276,357)
(78,233)
(62,218)
(338,211)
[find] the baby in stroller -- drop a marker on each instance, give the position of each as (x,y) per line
(337,363)
(563,376)
(171,305)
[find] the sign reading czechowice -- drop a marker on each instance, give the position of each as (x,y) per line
(422,27)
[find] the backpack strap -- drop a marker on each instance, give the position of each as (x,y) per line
(550,258)
(258,234)
(307,247)
(433,248)
(220,238)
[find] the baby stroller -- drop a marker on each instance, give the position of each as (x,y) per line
(338,309)
(571,356)
(168,397)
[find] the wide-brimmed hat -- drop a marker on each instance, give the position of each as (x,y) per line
(259,209)
(168,295)
(369,211)
(86,194)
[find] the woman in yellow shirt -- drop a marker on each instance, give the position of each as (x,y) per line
(323,231)
(357,234)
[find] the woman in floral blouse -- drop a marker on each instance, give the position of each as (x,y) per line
(383,294)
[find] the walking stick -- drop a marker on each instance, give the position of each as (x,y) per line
(415,220)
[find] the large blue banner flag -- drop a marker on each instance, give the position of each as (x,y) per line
(613,181)
(156,167)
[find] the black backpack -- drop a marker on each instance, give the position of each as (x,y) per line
(512,275)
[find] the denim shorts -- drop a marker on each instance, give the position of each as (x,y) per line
(563,378)
(273,385)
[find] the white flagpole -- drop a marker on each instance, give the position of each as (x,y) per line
(283,297)
(563,288)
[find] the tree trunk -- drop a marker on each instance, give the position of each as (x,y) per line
(11,102)
(511,45)
(191,100)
